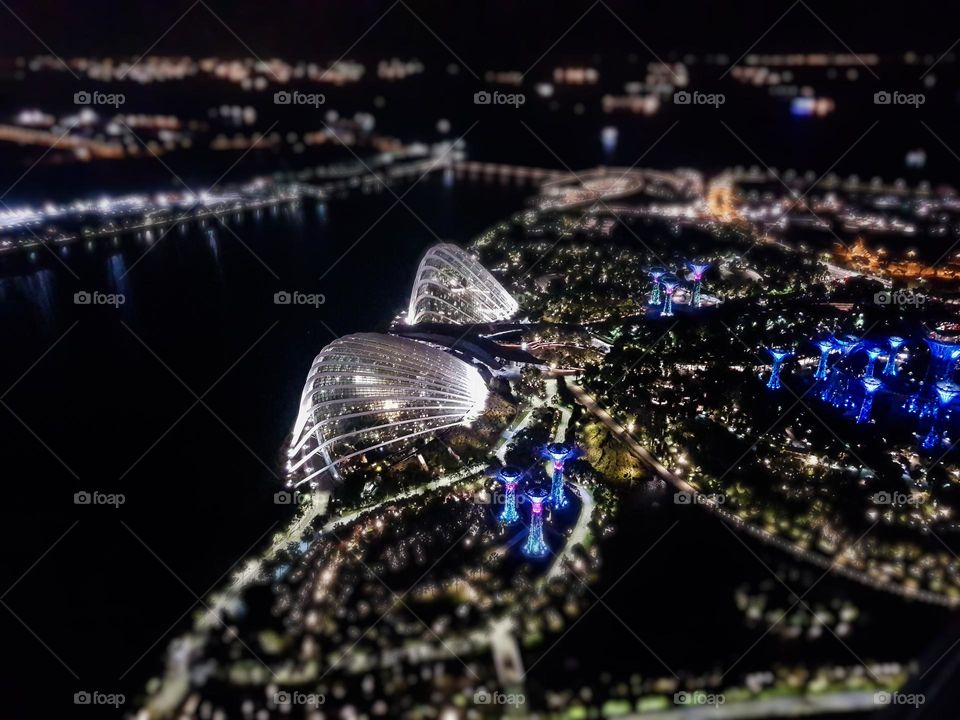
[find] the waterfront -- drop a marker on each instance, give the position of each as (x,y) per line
(203,495)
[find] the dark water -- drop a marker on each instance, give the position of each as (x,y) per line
(113,407)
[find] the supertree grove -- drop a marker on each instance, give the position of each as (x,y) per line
(826,346)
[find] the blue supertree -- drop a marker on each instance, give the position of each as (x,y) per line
(870,387)
(943,357)
(536,546)
(895,343)
(873,352)
(669,283)
(656,273)
(946,392)
(825,346)
(778,355)
(698,269)
(558,453)
(836,391)
(509,477)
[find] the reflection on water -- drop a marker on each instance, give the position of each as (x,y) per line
(117,278)
(38,289)
(200,298)
(213,242)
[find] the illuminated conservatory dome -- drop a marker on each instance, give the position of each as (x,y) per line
(368,391)
(452,287)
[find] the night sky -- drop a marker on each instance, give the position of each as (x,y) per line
(483,33)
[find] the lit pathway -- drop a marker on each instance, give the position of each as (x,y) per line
(763,708)
(579,533)
(252,570)
(705,500)
(521,421)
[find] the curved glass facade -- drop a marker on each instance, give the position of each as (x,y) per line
(368,391)
(452,287)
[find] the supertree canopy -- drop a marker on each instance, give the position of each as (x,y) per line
(873,352)
(943,358)
(509,477)
(558,453)
(670,283)
(698,269)
(946,392)
(870,387)
(778,355)
(895,343)
(826,346)
(836,391)
(536,546)
(656,273)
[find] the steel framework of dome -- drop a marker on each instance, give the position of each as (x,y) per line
(368,391)
(452,287)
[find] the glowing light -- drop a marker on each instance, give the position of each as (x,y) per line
(656,273)
(698,269)
(669,283)
(535,546)
(946,392)
(872,354)
(895,343)
(778,355)
(509,477)
(558,453)
(825,346)
(870,386)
